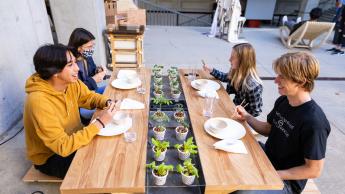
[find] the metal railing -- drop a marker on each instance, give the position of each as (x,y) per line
(158,15)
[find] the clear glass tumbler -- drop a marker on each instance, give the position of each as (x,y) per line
(208,106)
(141,74)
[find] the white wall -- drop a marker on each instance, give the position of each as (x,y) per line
(307,6)
(24,27)
(260,9)
(88,14)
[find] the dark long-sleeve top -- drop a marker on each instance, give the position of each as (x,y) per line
(87,69)
(252,96)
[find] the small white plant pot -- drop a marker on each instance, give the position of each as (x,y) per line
(160,157)
(180,136)
(179,118)
(175,95)
(159,135)
(157,95)
(183,155)
(187,180)
(159,180)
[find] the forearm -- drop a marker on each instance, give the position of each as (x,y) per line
(262,128)
(299,172)
(223,77)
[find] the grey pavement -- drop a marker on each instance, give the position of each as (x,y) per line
(185,47)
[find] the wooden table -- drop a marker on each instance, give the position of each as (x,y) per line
(226,172)
(109,164)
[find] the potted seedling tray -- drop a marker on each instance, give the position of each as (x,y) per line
(167,89)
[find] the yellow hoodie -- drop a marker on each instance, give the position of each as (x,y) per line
(51,118)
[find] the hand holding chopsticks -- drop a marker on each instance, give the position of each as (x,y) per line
(237,111)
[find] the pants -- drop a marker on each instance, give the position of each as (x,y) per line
(56,165)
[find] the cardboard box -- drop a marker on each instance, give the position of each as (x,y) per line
(110,7)
(133,17)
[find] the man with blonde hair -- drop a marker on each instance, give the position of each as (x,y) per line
(297,129)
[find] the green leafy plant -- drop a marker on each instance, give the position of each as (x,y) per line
(187,146)
(160,146)
(188,168)
(160,170)
(160,116)
(161,100)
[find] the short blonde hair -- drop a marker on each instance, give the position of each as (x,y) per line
(247,67)
(299,67)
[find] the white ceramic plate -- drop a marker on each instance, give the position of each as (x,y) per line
(112,129)
(122,84)
(211,85)
(234,130)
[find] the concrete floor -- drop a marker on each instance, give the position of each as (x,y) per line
(185,47)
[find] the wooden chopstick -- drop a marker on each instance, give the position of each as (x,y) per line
(242,102)
(240,105)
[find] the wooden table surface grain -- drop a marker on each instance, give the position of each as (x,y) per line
(225,172)
(109,164)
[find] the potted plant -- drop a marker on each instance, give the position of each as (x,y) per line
(158,86)
(159,116)
(159,132)
(157,78)
(181,131)
(179,114)
(159,149)
(175,93)
(160,172)
(188,172)
(161,100)
(157,92)
(186,149)
(174,84)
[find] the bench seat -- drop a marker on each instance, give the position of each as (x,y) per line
(33,175)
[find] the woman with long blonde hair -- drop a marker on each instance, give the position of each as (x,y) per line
(242,78)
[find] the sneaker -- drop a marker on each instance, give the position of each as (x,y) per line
(284,20)
(331,49)
(337,52)
(298,20)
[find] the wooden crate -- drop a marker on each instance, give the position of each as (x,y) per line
(126,50)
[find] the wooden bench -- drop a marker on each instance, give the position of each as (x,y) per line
(33,175)
(311,188)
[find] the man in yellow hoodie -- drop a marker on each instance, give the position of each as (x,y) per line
(53,130)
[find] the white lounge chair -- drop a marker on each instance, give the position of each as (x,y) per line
(307,35)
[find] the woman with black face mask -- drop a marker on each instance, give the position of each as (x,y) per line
(83,42)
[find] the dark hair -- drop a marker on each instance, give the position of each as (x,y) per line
(50,59)
(315,13)
(79,37)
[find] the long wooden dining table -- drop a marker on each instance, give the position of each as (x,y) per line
(111,165)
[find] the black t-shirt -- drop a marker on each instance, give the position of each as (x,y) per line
(296,133)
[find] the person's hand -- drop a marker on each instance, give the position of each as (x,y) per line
(206,68)
(240,114)
(98,77)
(106,116)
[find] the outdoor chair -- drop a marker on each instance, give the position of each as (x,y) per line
(310,35)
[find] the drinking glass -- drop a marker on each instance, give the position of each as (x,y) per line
(130,135)
(208,106)
(192,73)
(141,74)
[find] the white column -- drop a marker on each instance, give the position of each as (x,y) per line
(24,27)
(307,6)
(88,14)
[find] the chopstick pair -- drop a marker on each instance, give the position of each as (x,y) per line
(233,114)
